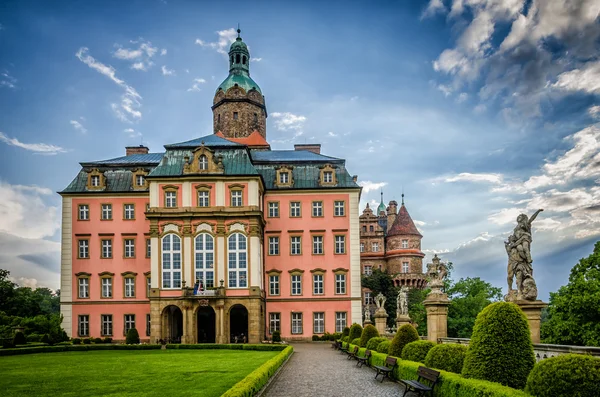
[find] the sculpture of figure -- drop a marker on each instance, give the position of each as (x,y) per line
(380,301)
(402,302)
(367,314)
(437,272)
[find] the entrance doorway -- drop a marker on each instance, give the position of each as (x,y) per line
(173,324)
(206,325)
(238,324)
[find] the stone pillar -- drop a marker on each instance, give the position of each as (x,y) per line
(533,312)
(220,320)
(402,319)
(437,316)
(188,326)
(380,320)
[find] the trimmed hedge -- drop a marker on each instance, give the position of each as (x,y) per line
(132,338)
(573,375)
(258,378)
(368,332)
(345,338)
(374,342)
(232,346)
(447,357)
(355,332)
(276,336)
(355,342)
(406,334)
(384,347)
(500,349)
(417,350)
(345,331)
(71,348)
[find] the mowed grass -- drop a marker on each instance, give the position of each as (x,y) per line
(128,373)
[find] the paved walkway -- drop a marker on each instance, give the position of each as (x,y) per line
(315,370)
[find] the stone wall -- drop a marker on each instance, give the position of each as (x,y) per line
(246,106)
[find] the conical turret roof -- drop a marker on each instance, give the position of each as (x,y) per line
(403,224)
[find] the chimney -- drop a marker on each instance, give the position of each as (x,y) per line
(310,147)
(391,211)
(129,150)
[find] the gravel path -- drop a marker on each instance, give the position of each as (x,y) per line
(315,370)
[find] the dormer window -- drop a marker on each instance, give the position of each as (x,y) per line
(140,180)
(327,177)
(95,180)
(203,162)
(284,178)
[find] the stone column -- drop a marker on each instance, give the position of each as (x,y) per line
(380,320)
(402,319)
(220,320)
(437,316)
(533,312)
(188,325)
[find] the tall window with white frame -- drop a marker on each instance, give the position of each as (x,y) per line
(95,180)
(368,269)
(129,287)
(84,212)
(170,199)
(340,244)
(148,247)
(317,208)
(129,323)
(368,298)
(318,323)
(236,198)
(274,322)
(284,178)
(362,247)
(296,323)
(148,324)
(340,321)
(339,208)
(106,248)
(140,180)
(106,325)
(84,249)
(296,284)
(274,210)
(129,248)
(295,245)
(205,259)
(328,177)
(107,287)
(340,284)
(203,162)
(203,198)
(404,243)
(83,327)
(129,211)
(295,209)
(404,267)
(84,287)
(274,245)
(317,245)
(317,284)
(375,247)
(148,285)
(171,261)
(237,263)
(106,212)
(274,284)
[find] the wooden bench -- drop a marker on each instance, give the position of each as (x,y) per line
(353,354)
(360,361)
(387,368)
(424,383)
(343,349)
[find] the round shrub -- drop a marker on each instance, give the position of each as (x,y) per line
(276,336)
(316,338)
(345,331)
(345,339)
(500,349)
(87,341)
(355,342)
(19,338)
(337,336)
(46,339)
(406,334)
(76,341)
(97,340)
(417,350)
(374,342)
(446,357)
(107,340)
(355,331)
(368,332)
(573,375)
(133,337)
(34,338)
(384,347)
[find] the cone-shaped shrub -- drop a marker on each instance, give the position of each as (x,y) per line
(446,357)
(355,331)
(368,332)
(374,342)
(276,336)
(500,349)
(384,347)
(132,338)
(417,350)
(19,339)
(346,331)
(573,375)
(355,341)
(406,334)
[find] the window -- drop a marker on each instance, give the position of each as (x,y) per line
(328,177)
(274,322)
(255,118)
(317,208)
(296,323)
(295,245)
(140,180)
(129,287)
(129,323)
(273,245)
(340,321)
(339,208)
(362,247)
(147,207)
(404,267)
(171,261)
(106,248)
(107,325)
(244,62)
(148,247)
(318,323)
(317,284)
(236,198)
(106,212)
(340,244)
(317,245)
(83,328)
(274,210)
(368,270)
(203,198)
(107,287)
(148,324)
(237,261)
(129,248)
(371,228)
(205,261)
(84,249)
(84,287)
(284,178)
(84,212)
(170,199)
(375,247)
(235,114)
(203,162)
(295,209)
(368,298)
(404,243)
(95,180)
(274,284)
(148,285)
(296,284)
(129,211)
(340,283)
(364,228)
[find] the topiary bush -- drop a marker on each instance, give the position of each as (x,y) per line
(406,334)
(33,338)
(107,340)
(374,342)
(316,338)
(76,341)
(384,347)
(573,375)
(355,331)
(87,341)
(345,331)
(337,336)
(368,332)
(276,336)
(417,350)
(19,338)
(500,349)
(46,339)
(448,357)
(133,337)
(355,341)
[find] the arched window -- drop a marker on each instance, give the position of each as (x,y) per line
(171,261)
(237,58)
(232,59)
(203,162)
(237,263)
(244,59)
(204,249)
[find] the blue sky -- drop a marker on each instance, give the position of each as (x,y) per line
(479,110)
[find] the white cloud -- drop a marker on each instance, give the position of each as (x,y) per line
(38,148)
(257,59)
(369,186)
(6,80)
(463,96)
(332,134)
(594,111)
(140,57)
(226,37)
(447,90)
(163,52)
(480,108)
(196,85)
(288,121)
(505,216)
(78,126)
(585,79)
(480,177)
(434,7)
(132,133)
(167,72)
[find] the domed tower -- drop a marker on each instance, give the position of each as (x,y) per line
(382,214)
(239,106)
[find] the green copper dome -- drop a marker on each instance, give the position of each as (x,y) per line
(241,80)
(239,68)
(381,206)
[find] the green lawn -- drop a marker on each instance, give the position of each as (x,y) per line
(128,373)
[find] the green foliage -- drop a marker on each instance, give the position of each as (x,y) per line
(337,336)
(368,332)
(384,347)
(468,297)
(133,337)
(107,340)
(374,342)
(87,341)
(97,340)
(447,357)
(346,331)
(573,315)
(46,339)
(405,334)
(572,375)
(355,331)
(34,338)
(355,342)
(417,350)
(381,282)
(416,309)
(345,339)
(232,346)
(316,338)
(276,336)
(500,349)
(76,341)
(19,338)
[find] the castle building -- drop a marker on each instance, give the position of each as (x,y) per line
(216,239)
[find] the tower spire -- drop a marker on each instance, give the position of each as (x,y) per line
(402,194)
(239,31)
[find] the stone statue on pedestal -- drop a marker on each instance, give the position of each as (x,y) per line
(402,302)
(380,301)
(436,272)
(367,315)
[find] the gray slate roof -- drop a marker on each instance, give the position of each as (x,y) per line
(208,140)
(134,159)
(116,181)
(282,156)
(235,162)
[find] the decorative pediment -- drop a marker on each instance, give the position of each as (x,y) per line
(170,227)
(204,227)
(327,176)
(203,161)
(96,180)
(284,176)
(139,181)
(240,227)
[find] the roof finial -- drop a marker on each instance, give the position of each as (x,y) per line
(402,194)
(239,31)
(382,195)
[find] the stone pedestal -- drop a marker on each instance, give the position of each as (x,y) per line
(533,312)
(380,321)
(402,319)
(437,316)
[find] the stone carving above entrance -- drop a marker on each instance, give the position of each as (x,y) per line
(171,227)
(237,227)
(204,227)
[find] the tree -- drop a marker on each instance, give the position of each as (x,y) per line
(573,312)
(468,297)
(381,282)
